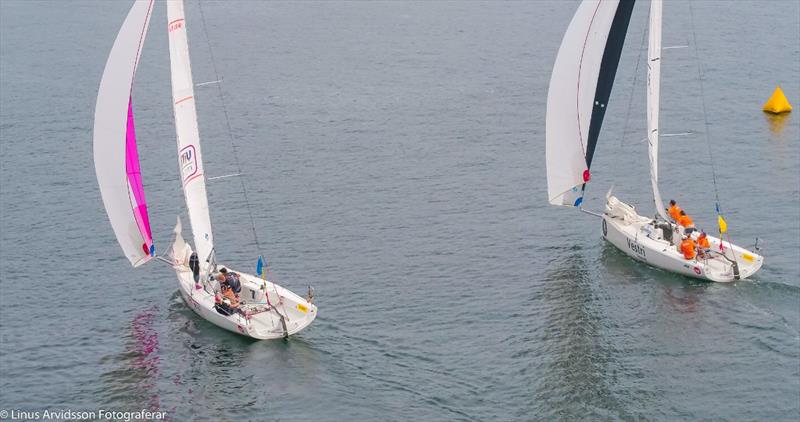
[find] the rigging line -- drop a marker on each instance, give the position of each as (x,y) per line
(228,124)
(703,101)
(633,89)
(717,207)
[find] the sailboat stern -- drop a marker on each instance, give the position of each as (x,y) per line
(286,313)
(733,262)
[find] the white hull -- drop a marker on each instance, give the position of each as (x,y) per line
(264,316)
(639,238)
(266,323)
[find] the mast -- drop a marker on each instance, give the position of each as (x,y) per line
(653,99)
(190,159)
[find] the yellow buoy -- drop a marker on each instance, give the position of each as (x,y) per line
(777,103)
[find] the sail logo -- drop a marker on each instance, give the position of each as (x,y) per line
(188,162)
(174,25)
(636,248)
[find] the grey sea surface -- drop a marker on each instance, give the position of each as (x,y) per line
(393,155)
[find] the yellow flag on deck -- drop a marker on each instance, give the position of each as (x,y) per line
(777,103)
(723,226)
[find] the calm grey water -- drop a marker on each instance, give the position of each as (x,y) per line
(394,158)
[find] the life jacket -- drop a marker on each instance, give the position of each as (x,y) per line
(687,247)
(675,212)
(685,221)
(702,242)
(232,297)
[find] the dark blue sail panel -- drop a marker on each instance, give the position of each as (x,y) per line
(608,70)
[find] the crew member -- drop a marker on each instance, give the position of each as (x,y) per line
(227,292)
(688,248)
(232,278)
(687,223)
(703,246)
(674,210)
(226,302)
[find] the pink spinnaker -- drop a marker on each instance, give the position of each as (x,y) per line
(138,202)
(116,161)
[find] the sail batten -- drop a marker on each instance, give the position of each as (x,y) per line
(115,153)
(190,160)
(580,87)
(654,99)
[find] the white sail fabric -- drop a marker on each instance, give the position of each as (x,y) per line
(111,121)
(179,251)
(653,99)
(189,156)
(570,99)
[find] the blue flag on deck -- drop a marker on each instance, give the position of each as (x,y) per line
(260,266)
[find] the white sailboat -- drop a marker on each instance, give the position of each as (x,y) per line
(580,86)
(266,310)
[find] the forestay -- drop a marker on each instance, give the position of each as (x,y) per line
(653,99)
(189,155)
(580,86)
(115,154)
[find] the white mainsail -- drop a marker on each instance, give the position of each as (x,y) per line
(115,156)
(580,86)
(653,99)
(189,156)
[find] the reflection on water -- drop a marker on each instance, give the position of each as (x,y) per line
(777,123)
(132,383)
(684,299)
(576,381)
(681,292)
(224,375)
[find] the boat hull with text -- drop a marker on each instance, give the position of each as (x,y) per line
(643,239)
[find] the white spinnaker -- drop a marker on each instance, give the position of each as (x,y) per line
(189,156)
(653,99)
(570,98)
(110,126)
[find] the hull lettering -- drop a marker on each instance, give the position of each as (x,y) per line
(637,248)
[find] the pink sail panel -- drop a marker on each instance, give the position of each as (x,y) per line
(138,202)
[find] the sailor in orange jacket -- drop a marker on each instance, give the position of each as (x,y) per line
(674,210)
(688,247)
(686,222)
(227,293)
(703,246)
